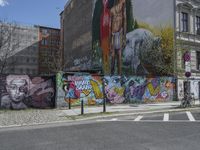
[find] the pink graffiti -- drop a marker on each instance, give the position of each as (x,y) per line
(113,96)
(41,88)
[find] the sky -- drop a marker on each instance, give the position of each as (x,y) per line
(32,12)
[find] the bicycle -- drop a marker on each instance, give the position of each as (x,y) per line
(186,101)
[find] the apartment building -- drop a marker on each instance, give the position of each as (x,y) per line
(49,56)
(188,42)
(21,50)
(32,50)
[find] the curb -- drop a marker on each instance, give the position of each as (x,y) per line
(119,114)
(136,113)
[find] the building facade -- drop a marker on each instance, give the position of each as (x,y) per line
(31,50)
(23,57)
(76,25)
(188,44)
(49,56)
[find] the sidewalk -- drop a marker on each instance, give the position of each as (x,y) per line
(9,118)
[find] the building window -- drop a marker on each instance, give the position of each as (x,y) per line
(44,42)
(198,60)
(198,24)
(45,31)
(185,22)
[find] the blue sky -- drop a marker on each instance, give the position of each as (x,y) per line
(32,12)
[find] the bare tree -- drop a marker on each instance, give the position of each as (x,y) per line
(9,42)
(55,61)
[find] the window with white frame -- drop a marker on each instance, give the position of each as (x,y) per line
(198,60)
(184,22)
(198,24)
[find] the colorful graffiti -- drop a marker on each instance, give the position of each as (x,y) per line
(159,89)
(116,89)
(113,89)
(22,91)
(83,88)
(138,89)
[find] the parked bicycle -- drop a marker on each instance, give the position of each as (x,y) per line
(187,100)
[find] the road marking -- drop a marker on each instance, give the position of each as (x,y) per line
(166,117)
(138,118)
(190,116)
(114,119)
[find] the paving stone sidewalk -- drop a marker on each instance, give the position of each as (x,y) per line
(9,118)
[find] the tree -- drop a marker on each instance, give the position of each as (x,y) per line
(9,42)
(55,61)
(164,54)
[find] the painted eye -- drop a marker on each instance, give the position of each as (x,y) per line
(23,89)
(127,41)
(13,87)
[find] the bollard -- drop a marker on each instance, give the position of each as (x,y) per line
(82,109)
(104,105)
(69,103)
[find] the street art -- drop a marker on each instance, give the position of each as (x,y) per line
(138,89)
(22,91)
(83,88)
(113,89)
(142,89)
(116,89)
(180,89)
(195,89)
(109,33)
(159,89)
(124,47)
(135,88)
(139,43)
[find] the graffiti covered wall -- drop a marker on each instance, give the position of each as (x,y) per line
(23,91)
(115,89)
(138,89)
(78,88)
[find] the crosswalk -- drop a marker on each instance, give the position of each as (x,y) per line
(186,116)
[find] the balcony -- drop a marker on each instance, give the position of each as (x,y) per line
(188,37)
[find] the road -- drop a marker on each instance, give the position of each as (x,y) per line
(166,131)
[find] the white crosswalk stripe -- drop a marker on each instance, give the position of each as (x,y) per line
(166,117)
(114,119)
(190,116)
(138,118)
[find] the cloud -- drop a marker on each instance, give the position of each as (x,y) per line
(3,3)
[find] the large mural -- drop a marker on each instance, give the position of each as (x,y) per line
(23,91)
(124,46)
(93,90)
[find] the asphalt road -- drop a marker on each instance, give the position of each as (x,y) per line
(175,131)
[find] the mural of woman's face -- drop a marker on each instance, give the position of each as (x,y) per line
(17,89)
(105,2)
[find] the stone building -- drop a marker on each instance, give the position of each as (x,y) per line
(35,50)
(49,56)
(188,41)
(24,56)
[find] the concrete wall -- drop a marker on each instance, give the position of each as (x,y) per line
(115,89)
(23,91)
(77,22)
